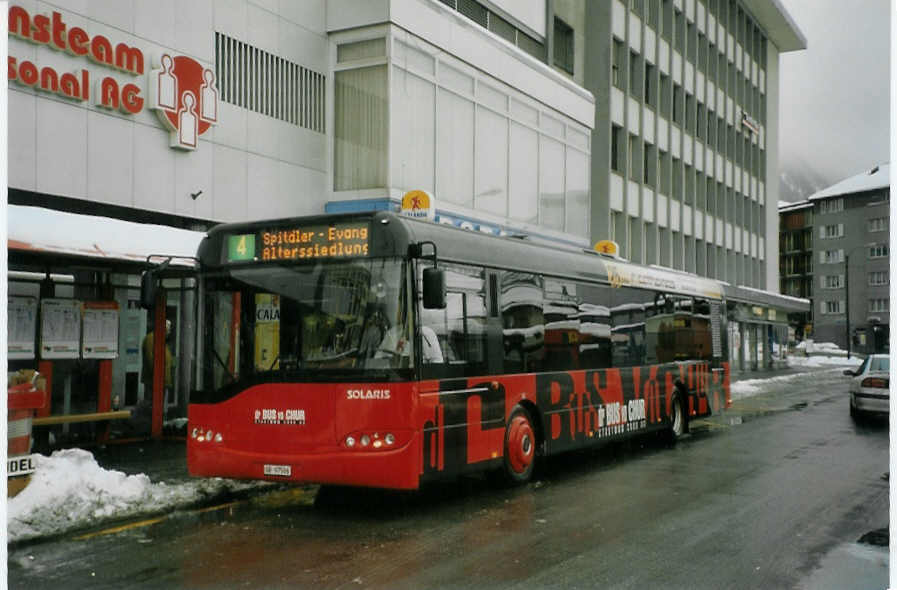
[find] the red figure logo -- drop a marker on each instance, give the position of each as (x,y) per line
(183,94)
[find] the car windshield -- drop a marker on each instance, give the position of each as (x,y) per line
(879,363)
(321,321)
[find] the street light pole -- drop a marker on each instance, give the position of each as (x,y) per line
(847,299)
(847,292)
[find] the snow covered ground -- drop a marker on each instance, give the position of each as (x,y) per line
(70,490)
(749,387)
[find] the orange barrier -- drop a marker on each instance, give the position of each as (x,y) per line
(22,401)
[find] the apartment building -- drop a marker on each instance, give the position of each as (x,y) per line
(796,259)
(850,254)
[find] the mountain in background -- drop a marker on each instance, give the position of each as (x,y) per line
(798,180)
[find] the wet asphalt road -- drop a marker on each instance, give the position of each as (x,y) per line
(773,494)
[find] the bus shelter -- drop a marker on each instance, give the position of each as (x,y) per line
(759,327)
(73,316)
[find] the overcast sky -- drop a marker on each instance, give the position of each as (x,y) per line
(834,98)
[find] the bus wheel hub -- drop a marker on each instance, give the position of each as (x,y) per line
(521,447)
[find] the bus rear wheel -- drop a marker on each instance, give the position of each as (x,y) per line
(677,419)
(520,447)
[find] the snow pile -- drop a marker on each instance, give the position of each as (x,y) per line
(750,387)
(69,490)
(821,348)
(823,361)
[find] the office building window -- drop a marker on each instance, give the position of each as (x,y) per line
(635,158)
(831,205)
(635,75)
(650,94)
(616,147)
(878,251)
(831,256)
(878,305)
(878,278)
(650,161)
(563,45)
(361,128)
(832,281)
(831,307)
(617,65)
(828,232)
(678,104)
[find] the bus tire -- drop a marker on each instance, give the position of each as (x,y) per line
(678,426)
(520,447)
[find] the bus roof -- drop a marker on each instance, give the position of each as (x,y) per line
(555,260)
(391,234)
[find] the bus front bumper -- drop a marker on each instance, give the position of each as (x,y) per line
(394,469)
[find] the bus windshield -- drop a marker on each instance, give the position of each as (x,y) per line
(313,322)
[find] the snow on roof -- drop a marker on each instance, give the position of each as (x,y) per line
(877,177)
(38,229)
(789,206)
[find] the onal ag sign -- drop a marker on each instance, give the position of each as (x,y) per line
(180,89)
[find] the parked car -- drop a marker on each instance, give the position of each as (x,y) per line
(869,388)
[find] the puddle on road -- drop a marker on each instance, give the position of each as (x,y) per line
(294,496)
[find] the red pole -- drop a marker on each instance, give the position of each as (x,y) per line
(45,368)
(158,365)
(104,401)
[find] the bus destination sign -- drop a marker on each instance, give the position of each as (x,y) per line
(307,242)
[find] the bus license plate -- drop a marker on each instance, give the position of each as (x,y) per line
(281,470)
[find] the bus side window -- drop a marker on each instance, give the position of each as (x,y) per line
(594,326)
(562,327)
(460,328)
(523,322)
(703,339)
(628,331)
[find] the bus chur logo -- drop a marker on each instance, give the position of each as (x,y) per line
(274,416)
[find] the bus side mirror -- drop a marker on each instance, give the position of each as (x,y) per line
(148,289)
(434,288)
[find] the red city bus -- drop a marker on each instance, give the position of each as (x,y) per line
(383,351)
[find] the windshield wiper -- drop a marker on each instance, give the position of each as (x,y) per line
(233,378)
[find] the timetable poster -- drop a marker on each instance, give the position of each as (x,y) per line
(21,322)
(60,328)
(99,338)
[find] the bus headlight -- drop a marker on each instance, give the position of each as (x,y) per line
(390,439)
(194,433)
(350,441)
(365,440)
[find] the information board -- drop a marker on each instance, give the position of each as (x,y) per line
(100,334)
(60,332)
(21,322)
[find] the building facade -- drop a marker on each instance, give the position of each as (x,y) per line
(688,98)
(850,300)
(796,259)
(648,122)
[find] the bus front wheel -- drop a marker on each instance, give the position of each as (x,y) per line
(520,447)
